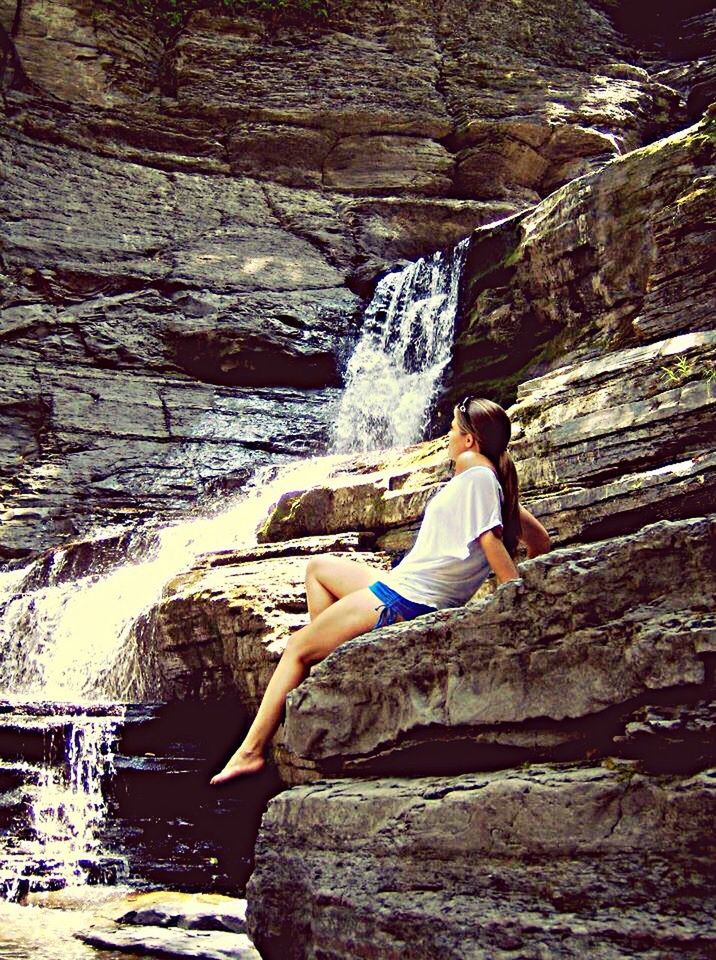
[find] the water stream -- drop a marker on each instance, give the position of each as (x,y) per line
(74,649)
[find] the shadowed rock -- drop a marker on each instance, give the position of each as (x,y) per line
(547,861)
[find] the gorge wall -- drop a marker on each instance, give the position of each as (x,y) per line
(191,223)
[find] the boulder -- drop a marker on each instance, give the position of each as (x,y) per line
(170,908)
(558,658)
(170,941)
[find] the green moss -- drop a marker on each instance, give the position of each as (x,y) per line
(695,195)
(513,257)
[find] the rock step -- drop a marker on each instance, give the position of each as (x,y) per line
(546,861)
(170,923)
(563,659)
(171,942)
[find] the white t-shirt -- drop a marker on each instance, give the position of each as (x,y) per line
(447,563)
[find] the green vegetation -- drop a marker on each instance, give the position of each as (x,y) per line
(687,369)
(169,15)
(682,370)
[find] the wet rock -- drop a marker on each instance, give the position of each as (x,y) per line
(198,911)
(171,941)
(373,497)
(571,861)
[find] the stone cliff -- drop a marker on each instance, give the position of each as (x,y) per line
(191,227)
(191,222)
(592,676)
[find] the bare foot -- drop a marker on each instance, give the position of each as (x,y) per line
(243,762)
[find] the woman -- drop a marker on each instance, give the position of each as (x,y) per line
(472,525)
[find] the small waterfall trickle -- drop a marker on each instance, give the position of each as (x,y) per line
(61,842)
(395,371)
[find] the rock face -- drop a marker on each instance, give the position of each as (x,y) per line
(190,229)
(554,664)
(190,224)
(605,263)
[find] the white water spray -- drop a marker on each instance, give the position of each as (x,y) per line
(78,640)
(396,369)
(69,808)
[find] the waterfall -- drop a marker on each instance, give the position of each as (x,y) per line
(396,369)
(83,643)
(76,640)
(70,641)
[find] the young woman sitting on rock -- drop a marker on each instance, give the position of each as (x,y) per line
(471,526)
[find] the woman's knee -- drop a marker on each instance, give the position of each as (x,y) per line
(314,566)
(301,650)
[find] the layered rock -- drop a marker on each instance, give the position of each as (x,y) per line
(224,624)
(197,212)
(554,663)
(604,263)
(542,862)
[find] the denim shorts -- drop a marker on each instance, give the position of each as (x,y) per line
(394,607)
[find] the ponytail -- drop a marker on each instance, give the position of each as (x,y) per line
(491,427)
(511,523)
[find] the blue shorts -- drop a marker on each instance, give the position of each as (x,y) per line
(394,607)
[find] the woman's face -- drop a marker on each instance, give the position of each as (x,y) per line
(458,441)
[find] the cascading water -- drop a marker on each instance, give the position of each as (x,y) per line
(85,643)
(394,373)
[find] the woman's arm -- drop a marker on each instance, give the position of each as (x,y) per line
(534,536)
(501,563)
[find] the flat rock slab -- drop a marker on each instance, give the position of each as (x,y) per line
(166,908)
(547,861)
(171,942)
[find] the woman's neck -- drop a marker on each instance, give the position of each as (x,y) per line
(471,458)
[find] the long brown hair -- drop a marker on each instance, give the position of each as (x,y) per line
(491,427)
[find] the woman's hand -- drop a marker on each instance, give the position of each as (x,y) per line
(534,536)
(501,563)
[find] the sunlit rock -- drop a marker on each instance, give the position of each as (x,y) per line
(604,263)
(224,623)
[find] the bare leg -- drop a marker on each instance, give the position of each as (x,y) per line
(331,578)
(346,618)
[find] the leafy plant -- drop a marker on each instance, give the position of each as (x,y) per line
(687,369)
(682,370)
